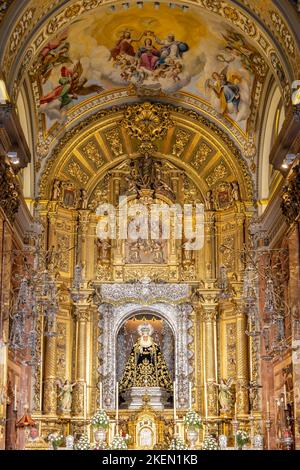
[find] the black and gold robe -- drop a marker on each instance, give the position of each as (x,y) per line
(146,367)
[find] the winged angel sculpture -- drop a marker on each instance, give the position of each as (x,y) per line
(225,395)
(65,394)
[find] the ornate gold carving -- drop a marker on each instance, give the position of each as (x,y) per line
(61,350)
(75,170)
(153,273)
(212,399)
(50,396)
(78,399)
(191,192)
(190,114)
(103,271)
(291,196)
(283,32)
(63,247)
(147,122)
(231,349)
(22,26)
(9,190)
(200,155)
(182,137)
(114,140)
(218,173)
(228,253)
(92,152)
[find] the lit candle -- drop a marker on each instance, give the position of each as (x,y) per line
(117,405)
(100,397)
(285,399)
(174,400)
(268,407)
(190,395)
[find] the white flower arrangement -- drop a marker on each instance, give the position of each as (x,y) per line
(83,443)
(193,420)
(118,442)
(242,438)
(56,440)
(100,420)
(210,443)
(177,444)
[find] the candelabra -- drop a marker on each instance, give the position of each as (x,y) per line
(265,278)
(268,429)
(34,295)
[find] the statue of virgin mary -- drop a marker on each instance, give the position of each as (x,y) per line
(146,366)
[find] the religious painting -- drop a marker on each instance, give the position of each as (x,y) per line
(152,51)
(223,196)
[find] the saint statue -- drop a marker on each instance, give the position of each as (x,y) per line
(65,395)
(225,395)
(146,366)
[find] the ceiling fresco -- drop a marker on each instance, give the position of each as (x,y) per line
(137,48)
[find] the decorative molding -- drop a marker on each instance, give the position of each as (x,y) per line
(145,292)
(180,111)
(9,190)
(291,196)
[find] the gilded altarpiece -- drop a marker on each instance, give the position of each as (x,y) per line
(119,279)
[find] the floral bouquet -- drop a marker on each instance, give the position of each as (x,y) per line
(177,444)
(193,420)
(210,443)
(83,443)
(56,440)
(100,420)
(242,438)
(118,442)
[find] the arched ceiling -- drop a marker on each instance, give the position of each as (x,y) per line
(68,58)
(190,143)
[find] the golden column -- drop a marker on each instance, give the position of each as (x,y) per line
(50,387)
(79,402)
(209,318)
(242,376)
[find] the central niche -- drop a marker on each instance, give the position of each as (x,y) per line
(145,362)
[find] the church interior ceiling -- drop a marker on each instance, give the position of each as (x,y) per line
(71,61)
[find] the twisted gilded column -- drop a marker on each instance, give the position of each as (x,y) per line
(50,388)
(242,375)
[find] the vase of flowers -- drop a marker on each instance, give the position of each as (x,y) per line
(55,440)
(100,423)
(83,443)
(118,442)
(177,444)
(193,422)
(210,443)
(242,438)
